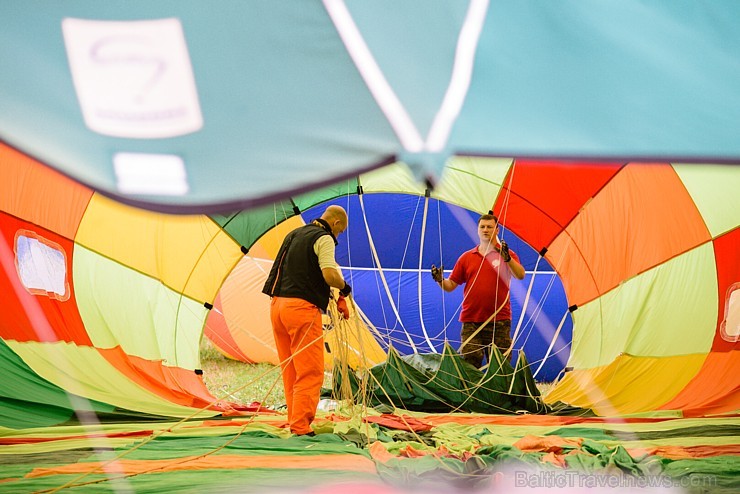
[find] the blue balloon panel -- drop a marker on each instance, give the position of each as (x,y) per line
(408,309)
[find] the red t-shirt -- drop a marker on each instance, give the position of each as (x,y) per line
(485,290)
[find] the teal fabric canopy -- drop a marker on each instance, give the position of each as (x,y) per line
(189,105)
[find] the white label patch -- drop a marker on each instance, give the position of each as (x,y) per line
(730,328)
(41,265)
(133,79)
(141,173)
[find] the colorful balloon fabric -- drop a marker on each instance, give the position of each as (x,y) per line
(108,303)
(632,253)
(232,124)
(395,234)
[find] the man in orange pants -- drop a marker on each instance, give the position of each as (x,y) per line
(300,283)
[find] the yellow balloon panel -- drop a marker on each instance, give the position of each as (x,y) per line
(190,254)
(271,241)
(627,385)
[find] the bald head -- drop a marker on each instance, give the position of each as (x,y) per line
(336,216)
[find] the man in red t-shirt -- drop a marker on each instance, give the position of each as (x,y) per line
(486,272)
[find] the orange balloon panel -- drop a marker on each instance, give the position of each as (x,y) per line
(217,330)
(247,310)
(39,195)
(260,252)
(715,389)
(177,385)
(240,323)
(647,202)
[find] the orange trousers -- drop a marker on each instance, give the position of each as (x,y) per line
(296,326)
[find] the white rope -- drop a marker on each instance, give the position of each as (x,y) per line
(552,343)
(419,281)
(534,316)
(381,274)
(526,302)
(444,307)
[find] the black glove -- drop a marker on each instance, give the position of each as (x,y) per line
(438,273)
(505,251)
(346,290)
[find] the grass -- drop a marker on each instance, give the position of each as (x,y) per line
(232,380)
